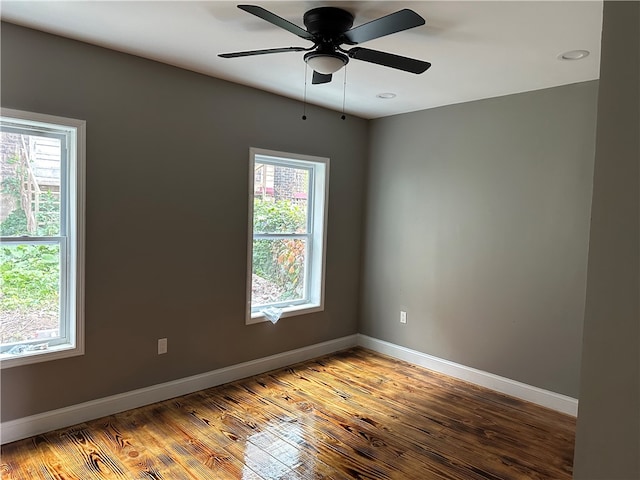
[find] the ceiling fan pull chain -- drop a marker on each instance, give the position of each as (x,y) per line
(304,102)
(344,92)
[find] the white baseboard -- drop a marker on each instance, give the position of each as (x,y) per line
(44,422)
(545,398)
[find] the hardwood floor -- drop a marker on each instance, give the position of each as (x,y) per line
(354,414)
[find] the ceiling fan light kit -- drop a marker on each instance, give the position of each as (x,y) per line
(326,63)
(329,28)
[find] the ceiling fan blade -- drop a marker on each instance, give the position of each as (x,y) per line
(319,78)
(392,23)
(262,52)
(389,60)
(276,20)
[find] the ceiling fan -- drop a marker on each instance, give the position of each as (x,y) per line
(329,28)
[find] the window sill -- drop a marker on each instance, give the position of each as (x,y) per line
(292,311)
(52,353)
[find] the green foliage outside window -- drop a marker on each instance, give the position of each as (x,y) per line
(279,261)
(29,274)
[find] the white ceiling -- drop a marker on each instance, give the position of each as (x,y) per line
(478,49)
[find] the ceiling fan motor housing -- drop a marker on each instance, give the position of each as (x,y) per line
(328,23)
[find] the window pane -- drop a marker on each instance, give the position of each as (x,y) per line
(280,199)
(30,169)
(278,271)
(30,286)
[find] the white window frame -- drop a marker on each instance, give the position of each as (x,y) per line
(317,208)
(71,237)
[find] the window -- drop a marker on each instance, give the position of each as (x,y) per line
(41,237)
(287,228)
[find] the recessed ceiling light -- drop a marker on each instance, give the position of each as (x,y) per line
(573,55)
(386,95)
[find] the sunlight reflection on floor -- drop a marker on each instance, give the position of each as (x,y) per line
(272,452)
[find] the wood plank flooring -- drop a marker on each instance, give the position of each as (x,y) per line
(351,415)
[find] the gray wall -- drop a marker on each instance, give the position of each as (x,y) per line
(167,180)
(477,225)
(608,433)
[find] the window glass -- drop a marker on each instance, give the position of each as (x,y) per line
(278,271)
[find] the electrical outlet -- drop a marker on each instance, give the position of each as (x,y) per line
(403,316)
(162,346)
